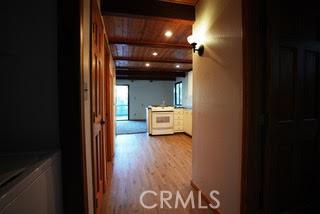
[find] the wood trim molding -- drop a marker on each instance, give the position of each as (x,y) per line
(82,100)
(244,170)
(253,43)
(69,97)
(189,135)
(204,196)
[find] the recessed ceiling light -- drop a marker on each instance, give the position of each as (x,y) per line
(147,64)
(168,33)
(177,66)
(155,54)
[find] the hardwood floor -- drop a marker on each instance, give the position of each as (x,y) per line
(144,162)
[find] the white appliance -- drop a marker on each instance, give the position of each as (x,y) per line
(160,120)
(31,183)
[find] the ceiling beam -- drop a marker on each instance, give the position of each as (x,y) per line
(144,69)
(181,2)
(136,59)
(148,8)
(124,41)
(147,78)
(150,73)
(147,75)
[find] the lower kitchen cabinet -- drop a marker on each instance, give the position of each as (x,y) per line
(178,120)
(187,119)
(183,120)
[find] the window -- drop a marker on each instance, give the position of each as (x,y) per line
(178,94)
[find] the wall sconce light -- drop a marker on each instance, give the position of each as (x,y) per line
(192,41)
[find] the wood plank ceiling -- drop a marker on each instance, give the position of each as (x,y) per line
(142,51)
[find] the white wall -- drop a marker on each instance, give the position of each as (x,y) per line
(217,101)
(186,89)
(144,93)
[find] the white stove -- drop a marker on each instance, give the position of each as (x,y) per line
(160,120)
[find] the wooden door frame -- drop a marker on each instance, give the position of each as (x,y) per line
(112,113)
(83,90)
(71,136)
(106,109)
(254,80)
(98,49)
(71,87)
(71,105)
(109,102)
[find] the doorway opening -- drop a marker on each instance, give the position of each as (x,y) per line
(140,83)
(122,102)
(124,123)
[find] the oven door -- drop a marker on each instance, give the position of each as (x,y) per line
(162,120)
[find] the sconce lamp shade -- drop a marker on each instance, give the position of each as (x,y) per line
(192,41)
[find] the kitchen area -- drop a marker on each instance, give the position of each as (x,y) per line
(162,119)
(156,107)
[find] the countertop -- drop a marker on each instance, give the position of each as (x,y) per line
(176,107)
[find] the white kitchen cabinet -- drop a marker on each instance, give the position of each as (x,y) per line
(178,120)
(187,119)
(183,120)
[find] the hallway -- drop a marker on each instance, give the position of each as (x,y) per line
(144,163)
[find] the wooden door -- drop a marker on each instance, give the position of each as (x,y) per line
(293,110)
(109,105)
(98,107)
(105,118)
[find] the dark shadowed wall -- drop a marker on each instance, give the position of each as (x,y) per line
(28,76)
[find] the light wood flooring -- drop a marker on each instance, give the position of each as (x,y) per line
(145,162)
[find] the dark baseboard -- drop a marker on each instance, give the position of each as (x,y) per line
(205,197)
(187,134)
